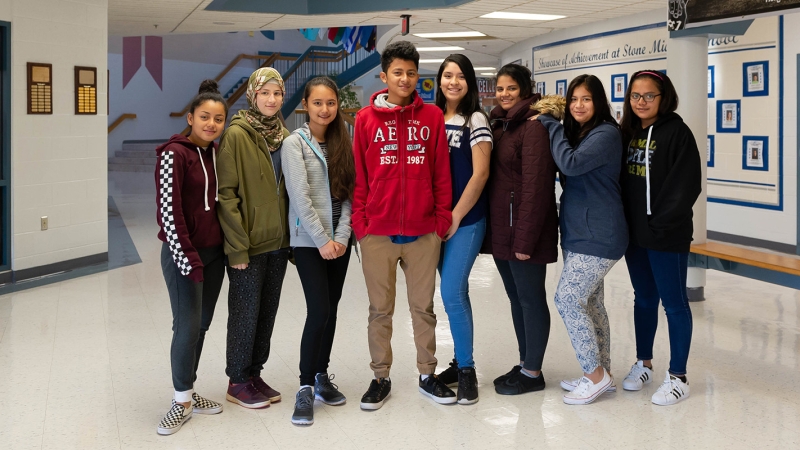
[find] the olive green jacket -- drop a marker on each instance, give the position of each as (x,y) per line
(253,206)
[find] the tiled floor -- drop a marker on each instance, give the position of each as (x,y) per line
(85,364)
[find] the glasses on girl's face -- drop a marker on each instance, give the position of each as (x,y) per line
(649,97)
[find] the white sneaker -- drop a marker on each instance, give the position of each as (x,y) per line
(586,392)
(570,384)
(671,391)
(174,419)
(637,377)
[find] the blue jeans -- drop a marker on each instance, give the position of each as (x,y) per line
(457,257)
(660,275)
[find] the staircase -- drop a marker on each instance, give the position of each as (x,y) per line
(331,61)
(135,156)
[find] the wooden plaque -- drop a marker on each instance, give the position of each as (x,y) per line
(85,90)
(40,88)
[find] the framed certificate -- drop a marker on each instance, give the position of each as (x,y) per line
(619,84)
(755,79)
(561,88)
(710,151)
(729,118)
(755,153)
(711,83)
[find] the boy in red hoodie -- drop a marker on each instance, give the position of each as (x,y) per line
(401,212)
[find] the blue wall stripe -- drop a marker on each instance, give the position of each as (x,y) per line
(741,182)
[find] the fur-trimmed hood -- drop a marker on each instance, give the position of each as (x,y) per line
(555,105)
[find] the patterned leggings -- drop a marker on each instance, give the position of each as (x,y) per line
(579,299)
(253,298)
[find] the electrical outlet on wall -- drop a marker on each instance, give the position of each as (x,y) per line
(44,223)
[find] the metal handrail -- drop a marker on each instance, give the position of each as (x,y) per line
(268,60)
(119,120)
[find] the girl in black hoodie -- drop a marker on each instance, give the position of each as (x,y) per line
(661,179)
(191,253)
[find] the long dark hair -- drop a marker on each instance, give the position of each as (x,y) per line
(631,123)
(521,75)
(471,102)
(341,167)
(602,108)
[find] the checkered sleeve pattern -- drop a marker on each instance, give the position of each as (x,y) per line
(166,189)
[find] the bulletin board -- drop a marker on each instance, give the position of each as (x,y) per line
(744,146)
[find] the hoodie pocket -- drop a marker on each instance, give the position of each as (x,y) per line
(576,222)
(266,224)
(419,199)
(378,204)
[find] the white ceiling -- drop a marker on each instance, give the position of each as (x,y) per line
(159,17)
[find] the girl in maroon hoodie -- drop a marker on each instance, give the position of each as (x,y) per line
(191,254)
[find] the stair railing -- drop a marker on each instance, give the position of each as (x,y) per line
(119,120)
(268,60)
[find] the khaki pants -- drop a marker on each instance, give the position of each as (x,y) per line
(418,261)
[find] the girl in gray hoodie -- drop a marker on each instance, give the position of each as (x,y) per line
(320,176)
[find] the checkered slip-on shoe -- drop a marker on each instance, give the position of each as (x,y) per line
(203,405)
(174,420)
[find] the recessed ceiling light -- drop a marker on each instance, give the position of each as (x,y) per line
(451,34)
(431,61)
(488,73)
(223,23)
(451,48)
(520,16)
(478,69)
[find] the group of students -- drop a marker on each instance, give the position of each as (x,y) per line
(428,187)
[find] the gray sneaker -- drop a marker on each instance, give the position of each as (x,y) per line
(304,407)
(327,392)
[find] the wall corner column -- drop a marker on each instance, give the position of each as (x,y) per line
(687,67)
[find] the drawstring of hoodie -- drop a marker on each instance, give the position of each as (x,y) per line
(205,173)
(216,178)
(647,167)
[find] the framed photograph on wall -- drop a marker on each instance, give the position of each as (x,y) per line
(618,113)
(710,151)
(755,153)
(729,116)
(540,86)
(711,84)
(755,77)
(619,83)
(561,87)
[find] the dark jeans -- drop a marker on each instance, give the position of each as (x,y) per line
(253,298)
(322,281)
(524,285)
(660,275)
(192,310)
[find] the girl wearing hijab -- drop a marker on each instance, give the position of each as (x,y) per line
(253,211)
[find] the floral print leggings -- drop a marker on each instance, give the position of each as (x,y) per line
(579,300)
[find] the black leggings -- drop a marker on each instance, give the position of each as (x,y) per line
(524,283)
(253,298)
(322,281)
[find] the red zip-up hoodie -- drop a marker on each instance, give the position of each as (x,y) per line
(186,196)
(402,171)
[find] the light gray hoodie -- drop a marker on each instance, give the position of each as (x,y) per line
(310,209)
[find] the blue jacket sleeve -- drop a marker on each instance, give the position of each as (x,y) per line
(596,150)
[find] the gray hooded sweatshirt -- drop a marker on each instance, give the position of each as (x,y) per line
(310,208)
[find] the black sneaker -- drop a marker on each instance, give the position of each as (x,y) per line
(449,376)
(304,407)
(467,386)
(520,384)
(327,392)
(514,370)
(377,393)
(436,390)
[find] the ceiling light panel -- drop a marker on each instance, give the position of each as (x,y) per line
(450,34)
(520,16)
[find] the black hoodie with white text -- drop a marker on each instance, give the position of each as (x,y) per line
(659,197)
